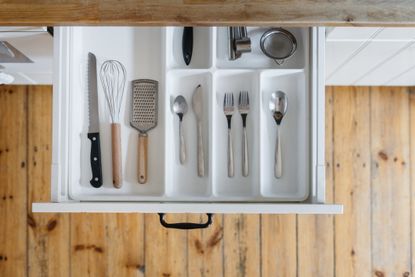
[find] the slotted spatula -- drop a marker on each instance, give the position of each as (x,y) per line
(143,118)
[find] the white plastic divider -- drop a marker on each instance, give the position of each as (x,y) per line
(234,81)
(182,179)
(202,56)
(141,60)
(156,53)
(294,133)
(256,59)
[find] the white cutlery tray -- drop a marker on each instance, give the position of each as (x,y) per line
(156,53)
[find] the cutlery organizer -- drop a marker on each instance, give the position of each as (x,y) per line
(156,53)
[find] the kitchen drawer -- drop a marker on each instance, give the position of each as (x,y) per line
(155,53)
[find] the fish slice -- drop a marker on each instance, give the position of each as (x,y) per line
(143,118)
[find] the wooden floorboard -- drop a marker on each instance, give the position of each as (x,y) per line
(390,181)
(351,137)
(48,234)
(315,233)
(13,181)
(369,157)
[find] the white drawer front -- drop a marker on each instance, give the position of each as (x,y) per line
(156,53)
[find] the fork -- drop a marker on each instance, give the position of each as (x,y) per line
(243,108)
(228,108)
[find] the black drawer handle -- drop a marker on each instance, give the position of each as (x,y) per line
(185,225)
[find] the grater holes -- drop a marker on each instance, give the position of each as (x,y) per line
(144,115)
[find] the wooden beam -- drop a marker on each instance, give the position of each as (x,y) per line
(208,12)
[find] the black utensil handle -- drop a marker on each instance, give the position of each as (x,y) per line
(95,160)
(186,225)
(187,44)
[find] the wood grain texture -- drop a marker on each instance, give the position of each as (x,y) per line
(316,232)
(412,157)
(241,251)
(88,245)
(205,248)
(207,12)
(390,178)
(278,245)
(351,137)
(125,244)
(375,236)
(48,234)
(13,180)
(116,155)
(165,249)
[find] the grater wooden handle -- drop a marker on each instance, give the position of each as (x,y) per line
(142,158)
(116,155)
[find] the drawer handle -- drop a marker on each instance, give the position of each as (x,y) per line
(185,225)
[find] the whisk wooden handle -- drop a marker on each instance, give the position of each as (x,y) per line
(142,158)
(116,155)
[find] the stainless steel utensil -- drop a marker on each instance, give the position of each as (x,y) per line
(243,107)
(180,108)
(197,105)
(144,118)
(228,108)
(278,44)
(238,42)
(278,105)
(113,76)
(93,128)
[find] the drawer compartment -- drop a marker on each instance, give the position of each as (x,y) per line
(155,53)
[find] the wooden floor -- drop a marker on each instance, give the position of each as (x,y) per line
(369,152)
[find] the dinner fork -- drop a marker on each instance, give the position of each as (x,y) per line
(243,108)
(228,108)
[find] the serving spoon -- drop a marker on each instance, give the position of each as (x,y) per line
(278,105)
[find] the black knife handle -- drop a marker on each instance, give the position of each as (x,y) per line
(95,160)
(187,44)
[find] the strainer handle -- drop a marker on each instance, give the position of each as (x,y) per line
(142,158)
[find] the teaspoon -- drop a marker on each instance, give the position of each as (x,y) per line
(180,108)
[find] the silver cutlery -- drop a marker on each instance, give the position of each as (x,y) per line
(180,108)
(243,107)
(228,108)
(278,106)
(197,105)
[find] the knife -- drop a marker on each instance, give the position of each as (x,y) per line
(187,44)
(197,105)
(93,129)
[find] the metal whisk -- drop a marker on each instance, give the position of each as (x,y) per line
(113,77)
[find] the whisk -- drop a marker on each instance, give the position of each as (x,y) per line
(113,76)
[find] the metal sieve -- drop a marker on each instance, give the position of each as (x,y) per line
(278,44)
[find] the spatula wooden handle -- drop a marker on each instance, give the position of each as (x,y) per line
(142,158)
(116,155)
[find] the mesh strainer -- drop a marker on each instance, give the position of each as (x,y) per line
(278,44)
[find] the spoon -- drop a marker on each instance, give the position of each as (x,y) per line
(180,108)
(278,106)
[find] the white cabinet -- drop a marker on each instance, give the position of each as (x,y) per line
(32,55)
(370,56)
(155,53)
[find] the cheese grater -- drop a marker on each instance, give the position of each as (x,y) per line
(143,118)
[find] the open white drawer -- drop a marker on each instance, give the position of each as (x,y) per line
(155,53)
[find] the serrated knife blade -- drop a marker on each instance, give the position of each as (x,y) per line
(93,129)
